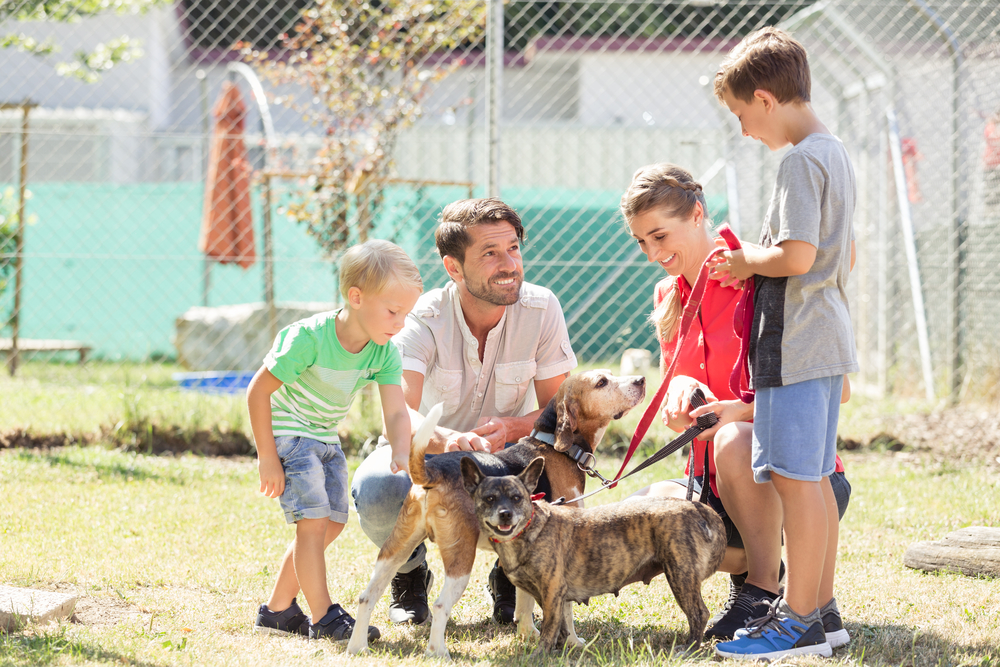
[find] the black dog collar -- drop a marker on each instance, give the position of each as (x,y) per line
(575,452)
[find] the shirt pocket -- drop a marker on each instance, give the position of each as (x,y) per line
(444,386)
(512,381)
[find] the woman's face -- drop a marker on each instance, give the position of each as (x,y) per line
(679,245)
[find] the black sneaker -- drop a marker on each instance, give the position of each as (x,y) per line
(337,625)
(288,622)
(749,603)
(504,595)
(836,634)
(736,582)
(408,603)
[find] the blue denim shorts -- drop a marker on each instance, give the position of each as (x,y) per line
(315,479)
(795,430)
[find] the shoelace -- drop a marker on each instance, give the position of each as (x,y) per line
(734,594)
(404,587)
(768,620)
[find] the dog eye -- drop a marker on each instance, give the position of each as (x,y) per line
(516,499)
(490,499)
(603,382)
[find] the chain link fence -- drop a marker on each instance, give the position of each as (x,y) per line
(365,120)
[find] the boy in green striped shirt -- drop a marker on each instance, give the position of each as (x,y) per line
(297,398)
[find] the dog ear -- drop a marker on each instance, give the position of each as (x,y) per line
(529,476)
(472,475)
(566,423)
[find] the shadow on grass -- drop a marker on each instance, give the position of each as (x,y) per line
(106,470)
(899,644)
(49,648)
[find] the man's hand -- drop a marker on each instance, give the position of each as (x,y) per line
(467,442)
(494,431)
(272,476)
(399,462)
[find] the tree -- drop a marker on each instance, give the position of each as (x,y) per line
(366,67)
(86,66)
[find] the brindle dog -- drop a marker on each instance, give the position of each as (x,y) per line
(563,554)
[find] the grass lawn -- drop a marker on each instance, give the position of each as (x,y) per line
(170,556)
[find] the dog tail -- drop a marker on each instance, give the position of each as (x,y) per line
(418,472)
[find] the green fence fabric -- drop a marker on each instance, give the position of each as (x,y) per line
(113,265)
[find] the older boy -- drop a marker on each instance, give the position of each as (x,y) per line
(801,343)
(305,387)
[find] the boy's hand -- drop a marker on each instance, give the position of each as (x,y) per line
(400,461)
(272,476)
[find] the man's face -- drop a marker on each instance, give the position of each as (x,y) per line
(492,270)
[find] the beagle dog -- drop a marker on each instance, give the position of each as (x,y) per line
(438,506)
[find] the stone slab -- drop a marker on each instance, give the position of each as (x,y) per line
(973,551)
(23,606)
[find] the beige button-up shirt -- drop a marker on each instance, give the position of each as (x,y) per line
(529,343)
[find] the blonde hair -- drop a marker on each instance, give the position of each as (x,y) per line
(673,190)
(372,265)
(769,59)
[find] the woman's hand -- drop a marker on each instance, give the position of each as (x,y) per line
(726,411)
(677,404)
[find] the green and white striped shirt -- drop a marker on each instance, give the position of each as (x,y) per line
(320,378)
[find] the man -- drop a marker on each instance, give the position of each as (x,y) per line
(485,345)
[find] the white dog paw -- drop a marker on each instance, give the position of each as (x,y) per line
(354,648)
(441,652)
(528,631)
(579,642)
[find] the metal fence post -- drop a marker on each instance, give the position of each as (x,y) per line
(494,99)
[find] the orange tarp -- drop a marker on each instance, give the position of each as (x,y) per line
(227,223)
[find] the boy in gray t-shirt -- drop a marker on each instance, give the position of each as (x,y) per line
(801,342)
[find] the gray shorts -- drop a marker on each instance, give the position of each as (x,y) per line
(315,479)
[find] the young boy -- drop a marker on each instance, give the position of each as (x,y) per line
(801,342)
(305,387)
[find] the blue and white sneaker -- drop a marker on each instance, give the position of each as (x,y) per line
(780,633)
(836,634)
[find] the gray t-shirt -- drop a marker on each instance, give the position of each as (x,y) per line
(529,343)
(802,325)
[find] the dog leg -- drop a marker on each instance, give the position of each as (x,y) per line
(553,618)
(570,629)
(451,591)
(523,608)
(385,569)
(382,575)
(687,591)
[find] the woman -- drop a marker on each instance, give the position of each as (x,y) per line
(665,212)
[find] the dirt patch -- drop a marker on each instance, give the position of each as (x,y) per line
(94,611)
(961,435)
(147,439)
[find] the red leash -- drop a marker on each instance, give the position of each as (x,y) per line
(687,318)
(739,379)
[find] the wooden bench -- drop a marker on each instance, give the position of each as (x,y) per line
(46,345)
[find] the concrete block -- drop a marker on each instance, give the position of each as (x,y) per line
(636,361)
(23,606)
(233,338)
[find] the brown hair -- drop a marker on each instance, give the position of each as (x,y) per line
(673,190)
(769,59)
(452,235)
(371,265)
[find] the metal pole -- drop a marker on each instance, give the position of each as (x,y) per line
(882,297)
(909,243)
(494,87)
(15,321)
(205,132)
(272,311)
(957,200)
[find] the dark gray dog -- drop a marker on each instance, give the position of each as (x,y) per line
(563,554)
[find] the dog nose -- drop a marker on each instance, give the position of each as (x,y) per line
(504,515)
(640,381)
